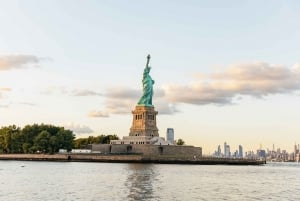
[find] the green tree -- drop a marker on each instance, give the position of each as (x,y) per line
(80,143)
(26,148)
(180,142)
(41,141)
(10,139)
(53,144)
(65,139)
(33,138)
(100,139)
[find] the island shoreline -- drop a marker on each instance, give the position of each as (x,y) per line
(129,158)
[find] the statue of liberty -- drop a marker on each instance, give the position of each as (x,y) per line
(146,99)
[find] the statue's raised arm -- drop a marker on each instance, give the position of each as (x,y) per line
(148,60)
(146,99)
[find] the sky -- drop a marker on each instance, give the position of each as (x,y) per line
(223,70)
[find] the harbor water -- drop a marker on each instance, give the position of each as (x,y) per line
(26,180)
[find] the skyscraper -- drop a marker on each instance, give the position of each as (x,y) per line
(241,151)
(170,135)
(219,151)
(225,147)
(226,150)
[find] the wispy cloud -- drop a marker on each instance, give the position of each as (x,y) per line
(122,93)
(4,89)
(27,103)
(69,92)
(8,62)
(166,108)
(96,113)
(252,79)
(84,92)
(3,106)
(12,103)
(54,90)
(78,129)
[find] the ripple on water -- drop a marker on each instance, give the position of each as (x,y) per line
(106,181)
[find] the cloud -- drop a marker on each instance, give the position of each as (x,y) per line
(122,93)
(3,106)
(118,100)
(27,103)
(69,92)
(4,89)
(78,129)
(121,100)
(166,108)
(252,79)
(8,62)
(96,113)
(12,103)
(55,90)
(84,92)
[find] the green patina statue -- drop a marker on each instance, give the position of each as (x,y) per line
(146,99)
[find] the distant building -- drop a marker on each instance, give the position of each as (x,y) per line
(297,157)
(62,151)
(236,154)
(81,151)
(227,153)
(296,153)
(241,151)
(261,153)
(225,147)
(170,135)
(219,151)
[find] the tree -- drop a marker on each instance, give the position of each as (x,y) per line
(100,139)
(26,148)
(10,139)
(180,142)
(53,144)
(33,138)
(65,139)
(42,141)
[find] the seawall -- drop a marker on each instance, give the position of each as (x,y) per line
(129,158)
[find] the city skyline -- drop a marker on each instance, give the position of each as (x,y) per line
(223,71)
(238,152)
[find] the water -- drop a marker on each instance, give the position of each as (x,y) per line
(112,181)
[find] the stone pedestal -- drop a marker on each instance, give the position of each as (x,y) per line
(144,122)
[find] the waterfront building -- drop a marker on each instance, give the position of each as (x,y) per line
(250,155)
(296,153)
(275,156)
(227,154)
(261,153)
(81,151)
(218,152)
(297,157)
